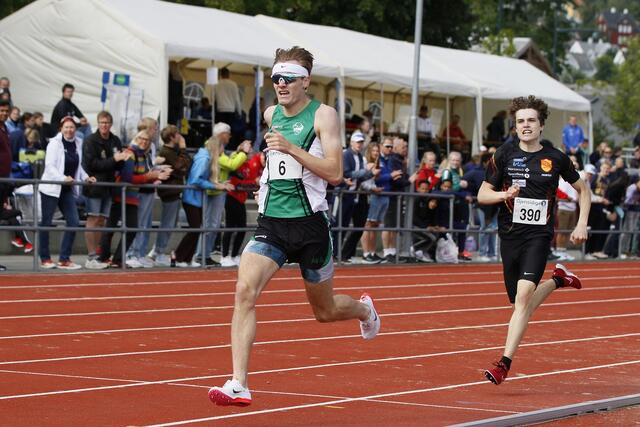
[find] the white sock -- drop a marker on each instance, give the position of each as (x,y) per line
(390,251)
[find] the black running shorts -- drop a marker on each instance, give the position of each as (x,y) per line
(306,240)
(523,260)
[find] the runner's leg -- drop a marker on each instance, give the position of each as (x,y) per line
(520,316)
(254,273)
(328,307)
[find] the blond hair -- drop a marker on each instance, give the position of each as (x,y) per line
(214,147)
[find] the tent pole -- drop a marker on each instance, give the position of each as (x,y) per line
(381,112)
(341,106)
(258,83)
(591,135)
(413,141)
(475,147)
(447,124)
(213,103)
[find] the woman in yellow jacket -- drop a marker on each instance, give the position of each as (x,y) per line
(221,165)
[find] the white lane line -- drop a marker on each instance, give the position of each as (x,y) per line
(266,322)
(228,307)
(233,280)
(276,279)
(425,405)
(321,366)
(393,394)
(283,291)
(289,341)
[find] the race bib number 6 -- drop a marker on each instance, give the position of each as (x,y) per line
(530,211)
(283,166)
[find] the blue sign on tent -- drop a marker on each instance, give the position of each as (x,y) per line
(105,77)
(103,95)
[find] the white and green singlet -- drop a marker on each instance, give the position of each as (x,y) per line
(287,189)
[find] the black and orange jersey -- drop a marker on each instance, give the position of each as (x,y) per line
(537,174)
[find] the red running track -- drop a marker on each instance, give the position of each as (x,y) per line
(143,348)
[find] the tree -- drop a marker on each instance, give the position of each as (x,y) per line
(524,18)
(445,23)
(7,7)
(605,68)
(624,105)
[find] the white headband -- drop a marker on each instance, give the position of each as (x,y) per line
(289,69)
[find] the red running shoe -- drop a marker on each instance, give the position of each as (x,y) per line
(17,242)
(28,248)
(568,278)
(498,374)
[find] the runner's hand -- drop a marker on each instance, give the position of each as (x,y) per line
(579,234)
(512,192)
(276,141)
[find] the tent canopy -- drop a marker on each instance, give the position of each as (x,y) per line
(50,42)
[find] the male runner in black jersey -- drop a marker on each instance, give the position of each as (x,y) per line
(523,179)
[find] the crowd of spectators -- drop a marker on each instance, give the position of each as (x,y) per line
(223,176)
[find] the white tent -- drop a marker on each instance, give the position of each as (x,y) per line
(50,42)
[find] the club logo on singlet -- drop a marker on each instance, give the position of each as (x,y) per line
(546,165)
(298,128)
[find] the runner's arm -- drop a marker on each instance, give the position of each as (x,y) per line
(580,234)
(327,126)
(488,196)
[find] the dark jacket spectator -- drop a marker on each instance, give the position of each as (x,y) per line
(179,160)
(98,161)
(495,129)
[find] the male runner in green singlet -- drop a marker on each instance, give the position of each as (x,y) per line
(304,152)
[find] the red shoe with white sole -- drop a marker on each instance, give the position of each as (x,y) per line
(498,374)
(568,278)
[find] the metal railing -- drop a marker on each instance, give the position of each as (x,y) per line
(339,227)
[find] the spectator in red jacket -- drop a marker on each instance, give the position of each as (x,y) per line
(246,180)
(427,172)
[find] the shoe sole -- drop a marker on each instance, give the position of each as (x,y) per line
(491,378)
(221,399)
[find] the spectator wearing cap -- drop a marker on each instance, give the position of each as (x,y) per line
(204,174)
(65,107)
(134,171)
(102,157)
(354,206)
(63,163)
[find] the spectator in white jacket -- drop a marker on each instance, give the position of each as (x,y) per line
(63,163)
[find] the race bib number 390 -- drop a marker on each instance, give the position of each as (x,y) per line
(530,211)
(283,166)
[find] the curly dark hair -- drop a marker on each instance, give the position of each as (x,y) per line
(521,103)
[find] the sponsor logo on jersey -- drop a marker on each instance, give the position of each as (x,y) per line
(546,165)
(519,162)
(522,183)
(298,128)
